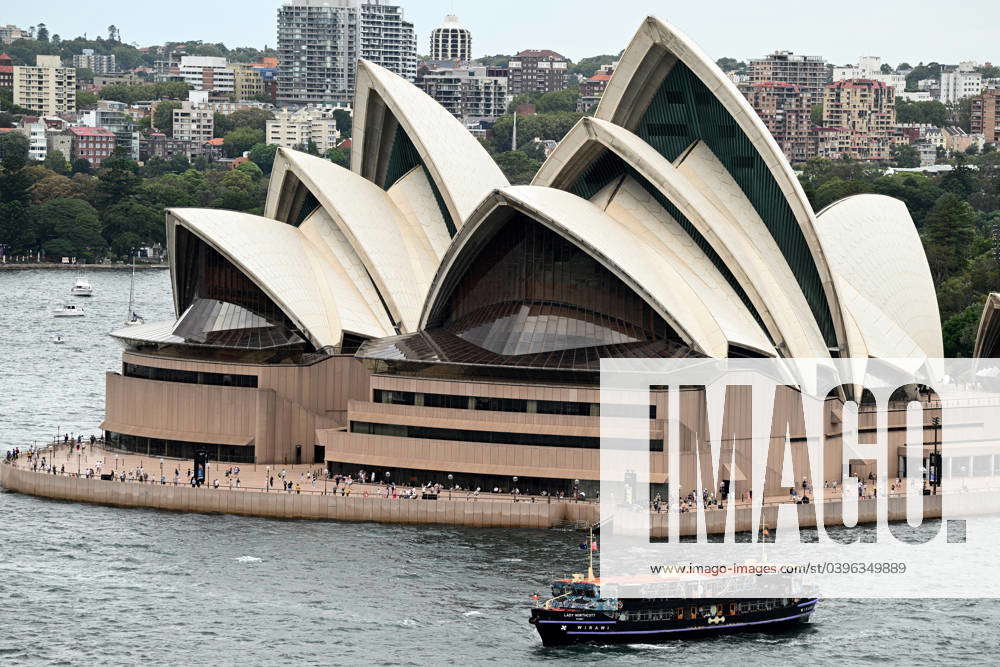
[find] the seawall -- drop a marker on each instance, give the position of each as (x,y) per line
(482,513)
(46,266)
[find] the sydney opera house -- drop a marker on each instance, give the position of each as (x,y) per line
(419,316)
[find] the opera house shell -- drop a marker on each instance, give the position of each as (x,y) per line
(419,316)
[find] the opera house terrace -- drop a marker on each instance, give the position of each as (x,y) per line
(418,315)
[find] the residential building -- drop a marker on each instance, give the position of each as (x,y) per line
(296,129)
(451,41)
(592,89)
(98,64)
(957,140)
(927,152)
(48,87)
(61,141)
(11,33)
(247,81)
(538,71)
(157,144)
(475,356)
(386,38)
(870,67)
(207,73)
(127,78)
(468,91)
(193,123)
(115,117)
(787,112)
(37,144)
(958,85)
(986,115)
(916,96)
(865,107)
(809,73)
(320,41)
(6,71)
(94,144)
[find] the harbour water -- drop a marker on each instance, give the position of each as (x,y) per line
(83,584)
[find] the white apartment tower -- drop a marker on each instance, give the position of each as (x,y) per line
(451,41)
(48,87)
(320,41)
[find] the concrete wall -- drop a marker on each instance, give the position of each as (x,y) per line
(483,513)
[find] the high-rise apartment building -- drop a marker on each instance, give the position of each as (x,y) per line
(786,111)
(48,87)
(209,73)
(986,115)
(387,38)
(538,71)
(958,85)
(6,71)
(809,73)
(98,64)
(451,41)
(320,41)
(867,108)
(194,123)
(248,82)
(114,117)
(468,91)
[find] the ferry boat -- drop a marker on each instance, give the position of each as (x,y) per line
(578,613)
(82,287)
(583,609)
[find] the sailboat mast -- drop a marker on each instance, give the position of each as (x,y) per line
(131,292)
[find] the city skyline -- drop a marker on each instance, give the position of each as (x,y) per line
(744,33)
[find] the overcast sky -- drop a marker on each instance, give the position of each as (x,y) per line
(897,30)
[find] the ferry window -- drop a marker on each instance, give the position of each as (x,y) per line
(693,613)
(680,613)
(732,608)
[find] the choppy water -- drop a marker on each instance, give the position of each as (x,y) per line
(84,584)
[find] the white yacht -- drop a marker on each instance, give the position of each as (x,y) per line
(58,339)
(69,310)
(82,287)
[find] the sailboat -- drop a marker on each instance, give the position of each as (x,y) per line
(133,318)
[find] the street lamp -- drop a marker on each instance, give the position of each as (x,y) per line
(936,467)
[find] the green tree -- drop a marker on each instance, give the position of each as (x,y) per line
(163,117)
(13,151)
(43,33)
(263,156)
(518,167)
(959,332)
(837,188)
(251,170)
(344,121)
(933,112)
(560,100)
(587,67)
(241,140)
(252,118)
(339,156)
(68,227)
(178,163)
(135,217)
(949,230)
(906,156)
(85,75)
(221,125)
(82,166)
(55,186)
(56,161)
(86,100)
